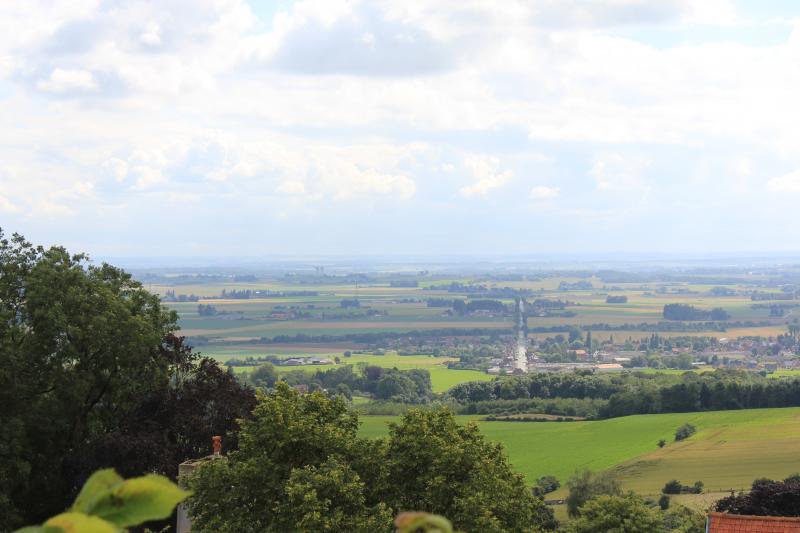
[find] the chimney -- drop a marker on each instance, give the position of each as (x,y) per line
(216,446)
(185,469)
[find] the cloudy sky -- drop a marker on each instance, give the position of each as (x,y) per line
(408,127)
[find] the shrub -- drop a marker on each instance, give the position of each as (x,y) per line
(545,485)
(584,486)
(685,431)
(663,502)
(672,487)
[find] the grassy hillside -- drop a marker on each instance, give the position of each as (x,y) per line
(730,449)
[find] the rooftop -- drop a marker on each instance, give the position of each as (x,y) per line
(732,523)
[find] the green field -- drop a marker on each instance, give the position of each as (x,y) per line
(404,309)
(442,378)
(730,449)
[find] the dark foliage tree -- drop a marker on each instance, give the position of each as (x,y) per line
(91,375)
(766,498)
(672,487)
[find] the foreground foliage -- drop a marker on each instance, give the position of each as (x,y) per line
(302,467)
(92,376)
(108,504)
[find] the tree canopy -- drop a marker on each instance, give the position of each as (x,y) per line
(302,466)
(92,375)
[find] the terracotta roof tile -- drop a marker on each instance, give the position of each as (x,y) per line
(732,523)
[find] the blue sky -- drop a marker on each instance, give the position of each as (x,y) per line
(265,129)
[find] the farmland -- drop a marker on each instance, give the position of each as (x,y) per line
(729,450)
(293,316)
(400,309)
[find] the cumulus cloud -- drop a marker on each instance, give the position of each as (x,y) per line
(487,171)
(368,182)
(377,103)
(63,81)
(362,41)
(786,183)
(543,192)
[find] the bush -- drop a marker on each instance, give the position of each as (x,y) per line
(545,485)
(672,487)
(629,513)
(663,502)
(584,486)
(685,431)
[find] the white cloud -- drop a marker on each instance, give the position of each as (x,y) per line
(7,206)
(377,103)
(616,172)
(786,183)
(543,192)
(291,187)
(486,170)
(372,182)
(64,81)
(51,208)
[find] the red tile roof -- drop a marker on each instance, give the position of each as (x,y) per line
(733,523)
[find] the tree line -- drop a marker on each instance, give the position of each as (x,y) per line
(633,393)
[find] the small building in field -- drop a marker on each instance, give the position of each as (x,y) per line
(608,367)
(293,362)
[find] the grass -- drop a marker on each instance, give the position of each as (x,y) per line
(442,378)
(730,449)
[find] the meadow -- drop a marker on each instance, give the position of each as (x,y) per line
(442,378)
(729,450)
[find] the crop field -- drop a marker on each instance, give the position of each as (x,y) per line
(398,309)
(729,450)
(238,325)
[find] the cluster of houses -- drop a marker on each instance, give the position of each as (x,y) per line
(735,355)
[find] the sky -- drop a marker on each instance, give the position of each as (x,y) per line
(227,128)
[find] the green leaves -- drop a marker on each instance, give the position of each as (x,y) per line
(411,522)
(99,484)
(109,504)
(80,523)
(137,500)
